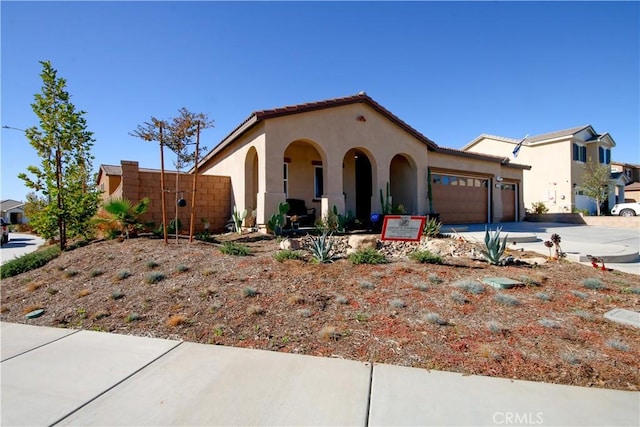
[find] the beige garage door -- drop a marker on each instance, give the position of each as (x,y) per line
(460,199)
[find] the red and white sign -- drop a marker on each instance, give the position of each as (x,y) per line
(405,228)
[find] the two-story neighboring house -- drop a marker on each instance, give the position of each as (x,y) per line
(558,163)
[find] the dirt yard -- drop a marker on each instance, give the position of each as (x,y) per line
(431,316)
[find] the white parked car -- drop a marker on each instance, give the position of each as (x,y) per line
(626,209)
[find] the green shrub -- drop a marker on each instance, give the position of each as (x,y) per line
(367,256)
(593,283)
(288,254)
(181,268)
(507,299)
(29,262)
(123,275)
(425,257)
(470,286)
(155,277)
(232,248)
(249,292)
(151,264)
(539,208)
(97,272)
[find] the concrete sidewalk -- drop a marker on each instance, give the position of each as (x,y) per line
(65,377)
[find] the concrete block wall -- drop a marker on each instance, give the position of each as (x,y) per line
(213,196)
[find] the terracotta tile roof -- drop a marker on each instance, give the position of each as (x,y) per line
(261,115)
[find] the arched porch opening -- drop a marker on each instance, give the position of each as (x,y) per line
(403,183)
(357,180)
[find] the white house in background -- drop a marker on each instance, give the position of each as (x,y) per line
(13,211)
(558,163)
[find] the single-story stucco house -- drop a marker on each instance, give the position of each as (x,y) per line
(13,211)
(341,152)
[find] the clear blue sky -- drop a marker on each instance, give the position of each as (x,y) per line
(452,70)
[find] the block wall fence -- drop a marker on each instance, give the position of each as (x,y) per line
(213,196)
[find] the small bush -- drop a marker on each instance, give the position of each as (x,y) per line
(296,299)
(470,286)
(84,293)
(425,257)
(123,275)
(421,286)
(495,326)
(208,272)
(117,294)
(539,208)
(28,262)
(304,312)
(362,317)
(459,298)
(237,249)
(151,264)
(70,273)
(249,292)
(285,254)
(97,272)
(435,318)
(543,296)
(548,323)
(255,310)
(367,256)
(570,358)
(181,268)
(154,278)
(34,286)
(580,295)
(617,345)
(342,299)
(133,317)
(529,281)
(507,299)
(583,314)
(328,333)
(397,303)
(175,320)
(593,283)
(433,278)
(365,284)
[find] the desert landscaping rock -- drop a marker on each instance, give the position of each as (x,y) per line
(624,316)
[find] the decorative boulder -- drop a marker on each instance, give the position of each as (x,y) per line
(291,244)
(357,242)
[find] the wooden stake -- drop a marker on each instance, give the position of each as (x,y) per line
(195,181)
(164,209)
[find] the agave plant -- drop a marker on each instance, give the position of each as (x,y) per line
(494,249)
(321,247)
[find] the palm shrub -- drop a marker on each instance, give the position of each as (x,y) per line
(126,215)
(494,249)
(321,247)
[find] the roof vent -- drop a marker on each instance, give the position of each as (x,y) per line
(362,92)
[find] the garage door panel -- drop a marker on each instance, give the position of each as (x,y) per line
(460,204)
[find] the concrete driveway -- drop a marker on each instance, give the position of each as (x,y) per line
(619,247)
(18,245)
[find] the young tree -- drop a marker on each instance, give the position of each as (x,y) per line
(178,135)
(595,183)
(64,177)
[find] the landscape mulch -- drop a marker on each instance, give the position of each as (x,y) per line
(404,313)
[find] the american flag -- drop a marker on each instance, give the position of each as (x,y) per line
(517,149)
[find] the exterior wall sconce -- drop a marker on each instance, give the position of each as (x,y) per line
(362,119)
(499,178)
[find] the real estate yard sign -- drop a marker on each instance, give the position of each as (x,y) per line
(404,228)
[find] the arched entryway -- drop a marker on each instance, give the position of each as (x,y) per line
(304,175)
(403,183)
(357,181)
(251,180)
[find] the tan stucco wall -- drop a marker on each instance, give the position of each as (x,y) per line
(332,133)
